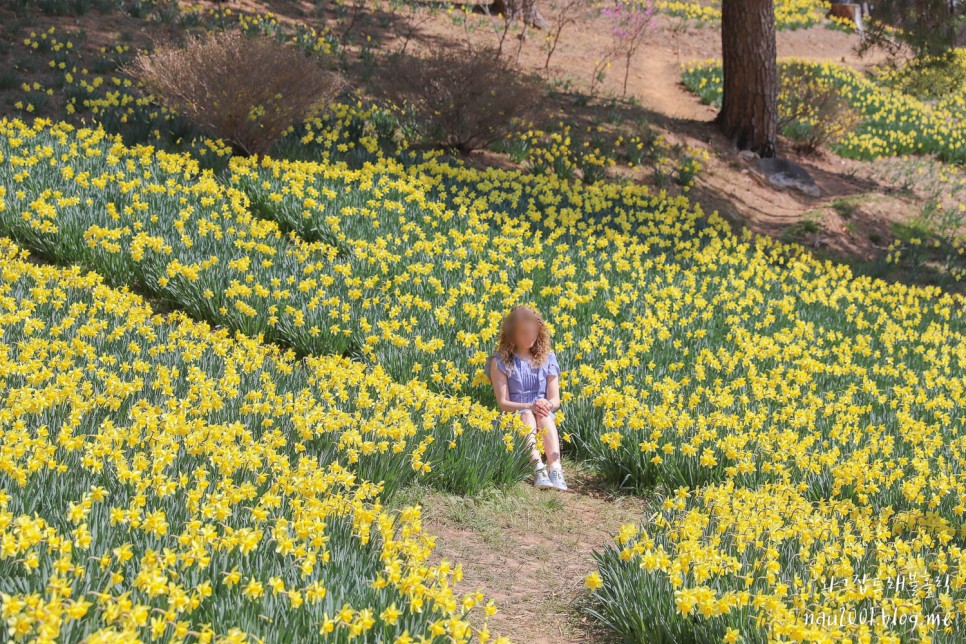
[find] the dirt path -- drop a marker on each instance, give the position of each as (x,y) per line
(529,550)
(656,80)
(655,74)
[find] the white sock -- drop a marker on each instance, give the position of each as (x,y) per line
(540,466)
(556,467)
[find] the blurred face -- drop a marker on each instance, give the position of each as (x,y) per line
(525,331)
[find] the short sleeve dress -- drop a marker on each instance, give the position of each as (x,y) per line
(526,382)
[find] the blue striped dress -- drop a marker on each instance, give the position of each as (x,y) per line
(526,382)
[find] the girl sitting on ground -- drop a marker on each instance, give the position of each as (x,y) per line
(527,381)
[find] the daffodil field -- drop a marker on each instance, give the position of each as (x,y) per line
(892,123)
(166,480)
(218,373)
(731,564)
(700,361)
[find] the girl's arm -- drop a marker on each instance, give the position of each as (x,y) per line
(553,392)
(502,391)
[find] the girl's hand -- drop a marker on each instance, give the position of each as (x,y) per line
(542,408)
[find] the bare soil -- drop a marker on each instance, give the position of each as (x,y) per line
(529,551)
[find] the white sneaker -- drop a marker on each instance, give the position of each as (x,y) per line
(557,480)
(541,480)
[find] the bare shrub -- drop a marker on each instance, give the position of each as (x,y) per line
(245,90)
(562,14)
(812,111)
(461,99)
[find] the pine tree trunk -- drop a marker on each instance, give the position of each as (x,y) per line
(749,109)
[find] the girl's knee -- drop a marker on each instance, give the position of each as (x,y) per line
(530,422)
(546,423)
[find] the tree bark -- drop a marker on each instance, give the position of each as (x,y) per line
(749,108)
(526,11)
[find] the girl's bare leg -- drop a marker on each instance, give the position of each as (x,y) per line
(551,440)
(530,421)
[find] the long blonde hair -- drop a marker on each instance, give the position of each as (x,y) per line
(505,348)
